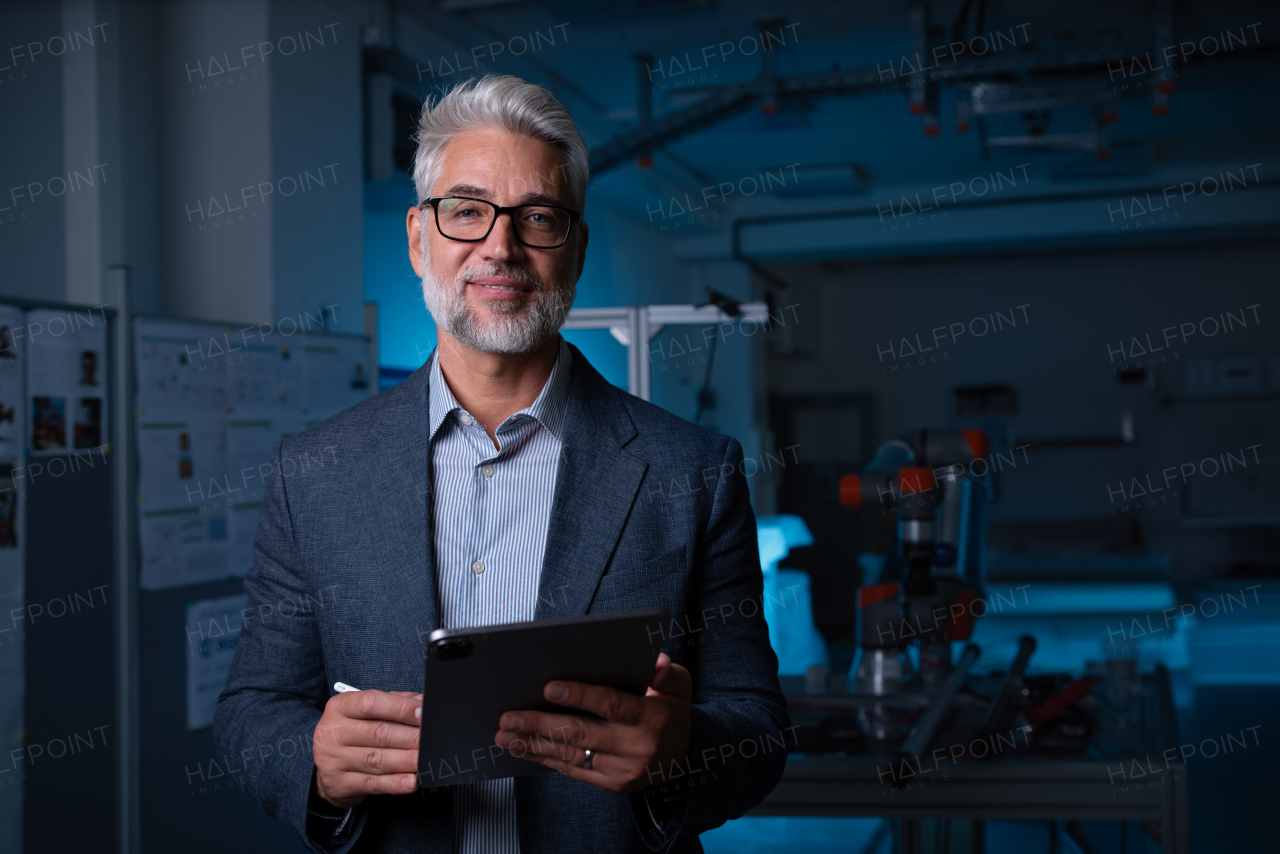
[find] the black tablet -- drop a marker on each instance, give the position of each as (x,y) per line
(474,675)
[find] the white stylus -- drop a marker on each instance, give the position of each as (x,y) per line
(343,687)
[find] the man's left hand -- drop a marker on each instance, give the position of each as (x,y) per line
(633,735)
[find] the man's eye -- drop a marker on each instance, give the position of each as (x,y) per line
(540,217)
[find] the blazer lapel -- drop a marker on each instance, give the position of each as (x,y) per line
(397,492)
(596,486)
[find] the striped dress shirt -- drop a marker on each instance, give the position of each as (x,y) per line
(492,508)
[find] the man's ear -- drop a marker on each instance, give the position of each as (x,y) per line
(413,227)
(582,248)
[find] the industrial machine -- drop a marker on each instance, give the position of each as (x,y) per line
(937,483)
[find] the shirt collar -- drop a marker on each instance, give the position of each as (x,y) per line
(548,408)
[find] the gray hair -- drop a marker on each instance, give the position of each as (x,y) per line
(506,103)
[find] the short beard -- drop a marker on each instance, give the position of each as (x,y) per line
(520,327)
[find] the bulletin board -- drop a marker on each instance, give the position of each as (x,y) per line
(55,476)
(12,578)
(211,401)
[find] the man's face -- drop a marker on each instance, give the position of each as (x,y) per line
(497,295)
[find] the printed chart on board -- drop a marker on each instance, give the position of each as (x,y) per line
(211,403)
(213,629)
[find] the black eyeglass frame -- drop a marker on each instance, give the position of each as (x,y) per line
(499,210)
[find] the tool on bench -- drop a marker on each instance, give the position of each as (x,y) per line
(923,732)
(1010,687)
(1052,707)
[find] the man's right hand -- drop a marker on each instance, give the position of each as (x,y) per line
(366,743)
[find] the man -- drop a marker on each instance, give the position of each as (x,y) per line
(504,481)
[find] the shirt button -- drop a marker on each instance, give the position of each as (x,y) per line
(487,471)
(468,420)
(477,567)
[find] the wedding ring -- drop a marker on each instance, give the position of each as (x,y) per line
(586,762)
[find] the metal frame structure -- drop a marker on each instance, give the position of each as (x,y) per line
(635,325)
(118,293)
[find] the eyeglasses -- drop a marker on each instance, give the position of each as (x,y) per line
(539,226)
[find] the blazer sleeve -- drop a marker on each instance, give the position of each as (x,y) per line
(267,713)
(739,716)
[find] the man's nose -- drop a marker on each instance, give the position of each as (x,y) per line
(502,243)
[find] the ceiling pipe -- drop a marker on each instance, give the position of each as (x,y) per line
(769,66)
(1163,19)
(644,103)
(724,101)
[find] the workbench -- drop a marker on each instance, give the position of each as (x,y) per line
(1023,787)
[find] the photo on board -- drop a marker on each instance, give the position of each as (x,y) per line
(88,424)
(48,423)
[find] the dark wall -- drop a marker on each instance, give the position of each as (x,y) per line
(1062,359)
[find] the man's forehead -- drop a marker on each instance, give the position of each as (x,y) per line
(495,165)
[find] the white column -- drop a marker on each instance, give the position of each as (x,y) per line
(82,234)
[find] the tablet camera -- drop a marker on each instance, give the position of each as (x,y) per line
(454,650)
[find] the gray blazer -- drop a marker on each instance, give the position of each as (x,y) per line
(649,510)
